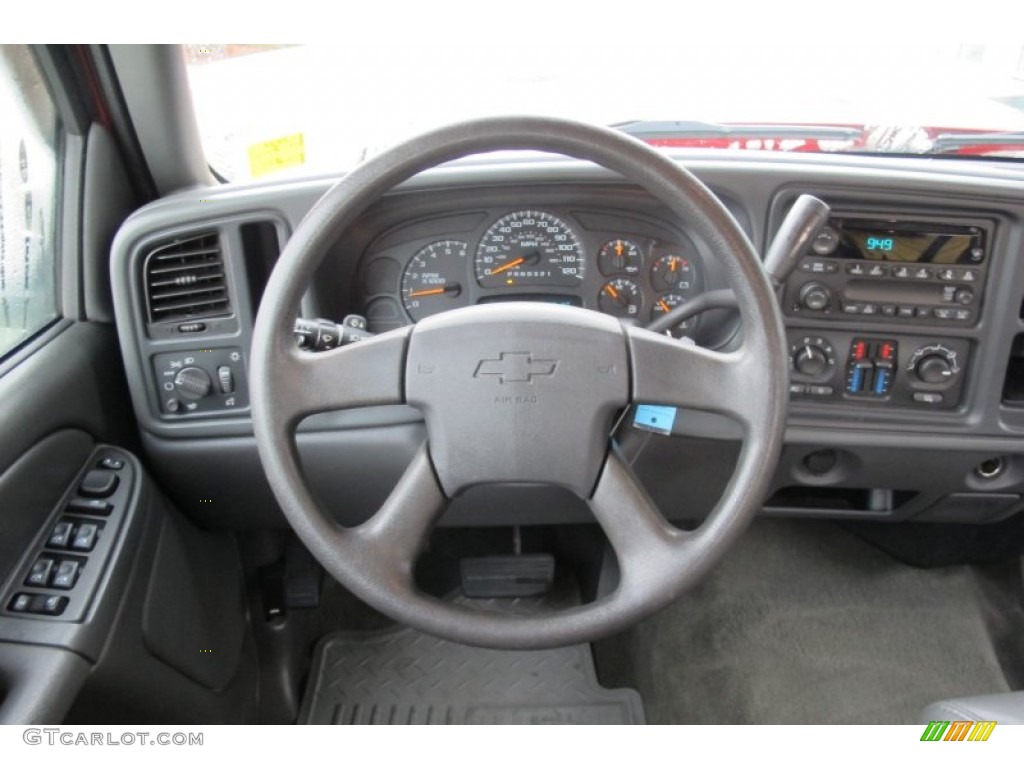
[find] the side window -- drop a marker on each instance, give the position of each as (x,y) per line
(28,199)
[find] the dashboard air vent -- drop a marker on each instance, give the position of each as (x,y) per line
(185,279)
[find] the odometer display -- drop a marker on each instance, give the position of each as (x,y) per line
(529,248)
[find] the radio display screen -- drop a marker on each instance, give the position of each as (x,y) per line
(857,241)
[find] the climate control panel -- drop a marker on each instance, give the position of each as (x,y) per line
(854,368)
(201,381)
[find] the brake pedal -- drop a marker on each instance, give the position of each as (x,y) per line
(507,575)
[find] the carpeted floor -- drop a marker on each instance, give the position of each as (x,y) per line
(806,623)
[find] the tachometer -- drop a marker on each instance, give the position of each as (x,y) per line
(432,281)
(529,248)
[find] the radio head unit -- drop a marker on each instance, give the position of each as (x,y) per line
(903,242)
(876,268)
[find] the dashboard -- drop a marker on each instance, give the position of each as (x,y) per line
(904,320)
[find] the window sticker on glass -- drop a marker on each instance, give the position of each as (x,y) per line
(28,188)
(276,154)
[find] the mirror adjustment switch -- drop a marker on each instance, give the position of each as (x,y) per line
(85,537)
(109,462)
(89,507)
(98,484)
(66,575)
(60,537)
(39,576)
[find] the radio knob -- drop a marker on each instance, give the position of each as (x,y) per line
(815,296)
(934,369)
(193,382)
(810,360)
(964,296)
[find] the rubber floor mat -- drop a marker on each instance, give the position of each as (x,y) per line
(405,677)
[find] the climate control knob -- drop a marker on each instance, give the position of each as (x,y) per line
(812,356)
(193,383)
(934,369)
(934,364)
(810,361)
(815,296)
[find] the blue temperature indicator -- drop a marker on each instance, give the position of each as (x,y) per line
(880,243)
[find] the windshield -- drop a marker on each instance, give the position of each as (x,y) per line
(310,109)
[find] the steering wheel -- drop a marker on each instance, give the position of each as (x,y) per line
(519,393)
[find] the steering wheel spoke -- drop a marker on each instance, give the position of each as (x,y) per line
(642,539)
(365,373)
(669,372)
(396,534)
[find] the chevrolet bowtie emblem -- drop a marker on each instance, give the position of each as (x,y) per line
(515,367)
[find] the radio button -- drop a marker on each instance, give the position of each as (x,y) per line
(869,309)
(969,276)
(889,310)
(901,272)
(962,314)
(905,311)
(923,311)
(852,309)
(947,274)
(943,313)
(856,269)
(817,266)
(922,273)
(878,270)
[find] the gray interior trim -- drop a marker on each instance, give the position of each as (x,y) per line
(38,685)
(1004,708)
(163,114)
(106,201)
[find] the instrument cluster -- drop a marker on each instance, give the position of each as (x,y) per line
(620,265)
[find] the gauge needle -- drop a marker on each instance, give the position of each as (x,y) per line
(664,307)
(510,265)
(618,248)
(614,294)
(673,263)
(450,288)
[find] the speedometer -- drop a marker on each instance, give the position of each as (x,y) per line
(529,248)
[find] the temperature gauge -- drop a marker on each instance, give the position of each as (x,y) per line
(667,303)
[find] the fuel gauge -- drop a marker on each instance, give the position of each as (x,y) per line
(620,297)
